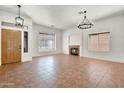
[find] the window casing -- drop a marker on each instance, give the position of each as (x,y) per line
(47,42)
(99,42)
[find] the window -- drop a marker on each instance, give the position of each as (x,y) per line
(25,41)
(46,42)
(99,41)
(93,42)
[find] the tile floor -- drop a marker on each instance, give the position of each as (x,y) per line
(62,71)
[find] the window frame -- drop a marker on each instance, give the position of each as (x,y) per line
(46,49)
(26,45)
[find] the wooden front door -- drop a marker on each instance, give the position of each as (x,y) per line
(11,46)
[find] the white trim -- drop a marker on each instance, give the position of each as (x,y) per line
(13,28)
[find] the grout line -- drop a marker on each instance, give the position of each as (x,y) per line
(101,79)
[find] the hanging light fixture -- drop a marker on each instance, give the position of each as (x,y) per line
(85,24)
(18,20)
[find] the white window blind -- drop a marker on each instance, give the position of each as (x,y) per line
(46,42)
(104,42)
(99,42)
(93,43)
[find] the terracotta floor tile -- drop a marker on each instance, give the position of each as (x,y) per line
(62,71)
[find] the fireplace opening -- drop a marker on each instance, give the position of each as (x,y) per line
(74,50)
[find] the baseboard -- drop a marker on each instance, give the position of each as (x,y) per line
(102,59)
(47,55)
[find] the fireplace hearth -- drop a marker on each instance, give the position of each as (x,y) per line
(74,50)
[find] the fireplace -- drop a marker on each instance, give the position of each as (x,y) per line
(74,50)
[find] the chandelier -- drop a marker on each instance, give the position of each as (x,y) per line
(18,20)
(85,24)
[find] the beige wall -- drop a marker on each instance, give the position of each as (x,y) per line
(75,35)
(113,24)
(9,17)
(33,36)
(39,28)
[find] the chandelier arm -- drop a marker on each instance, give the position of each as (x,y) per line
(83,20)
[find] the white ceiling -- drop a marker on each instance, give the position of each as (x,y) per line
(64,16)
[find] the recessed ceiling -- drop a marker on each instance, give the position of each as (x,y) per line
(62,16)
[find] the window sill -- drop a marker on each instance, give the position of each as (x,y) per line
(46,51)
